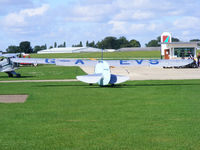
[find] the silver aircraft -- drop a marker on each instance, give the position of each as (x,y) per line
(102,74)
(8,66)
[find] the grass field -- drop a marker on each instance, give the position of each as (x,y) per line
(45,72)
(115,55)
(140,115)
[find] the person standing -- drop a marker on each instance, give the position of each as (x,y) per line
(198,58)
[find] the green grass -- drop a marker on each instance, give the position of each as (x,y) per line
(112,55)
(45,72)
(141,115)
(115,55)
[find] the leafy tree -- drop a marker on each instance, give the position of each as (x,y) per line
(55,44)
(39,48)
(92,44)
(13,49)
(81,44)
(60,45)
(134,43)
(25,46)
(152,43)
(36,48)
(122,42)
(99,45)
(78,45)
(175,39)
(43,47)
(114,43)
(159,38)
(50,47)
(195,40)
(109,43)
(87,44)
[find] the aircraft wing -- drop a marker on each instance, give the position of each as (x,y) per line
(83,62)
(58,61)
(91,78)
(158,62)
(151,62)
(9,55)
(33,60)
(115,79)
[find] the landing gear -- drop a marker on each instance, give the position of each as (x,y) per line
(12,73)
(90,84)
(18,75)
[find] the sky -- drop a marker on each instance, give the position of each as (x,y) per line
(48,21)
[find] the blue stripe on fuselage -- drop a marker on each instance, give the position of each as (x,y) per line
(124,62)
(50,61)
(64,60)
(79,61)
(153,62)
(139,62)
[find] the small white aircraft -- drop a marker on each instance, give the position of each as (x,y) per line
(102,74)
(8,66)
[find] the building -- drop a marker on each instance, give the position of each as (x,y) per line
(176,50)
(139,49)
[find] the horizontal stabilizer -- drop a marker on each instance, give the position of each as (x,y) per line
(91,78)
(115,79)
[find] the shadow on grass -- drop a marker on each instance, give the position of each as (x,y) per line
(14,77)
(27,77)
(63,85)
(120,85)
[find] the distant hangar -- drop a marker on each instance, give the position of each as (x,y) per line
(69,50)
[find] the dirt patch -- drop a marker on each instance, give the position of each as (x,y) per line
(13,98)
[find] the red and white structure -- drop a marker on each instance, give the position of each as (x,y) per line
(176,50)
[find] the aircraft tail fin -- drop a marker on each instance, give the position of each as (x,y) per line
(115,79)
(90,78)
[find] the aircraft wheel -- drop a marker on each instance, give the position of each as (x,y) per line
(90,84)
(10,75)
(18,75)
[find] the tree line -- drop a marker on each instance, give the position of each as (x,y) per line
(109,42)
(113,43)
(25,47)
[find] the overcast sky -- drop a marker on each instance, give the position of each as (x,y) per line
(47,21)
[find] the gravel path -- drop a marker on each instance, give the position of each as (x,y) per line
(152,73)
(136,73)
